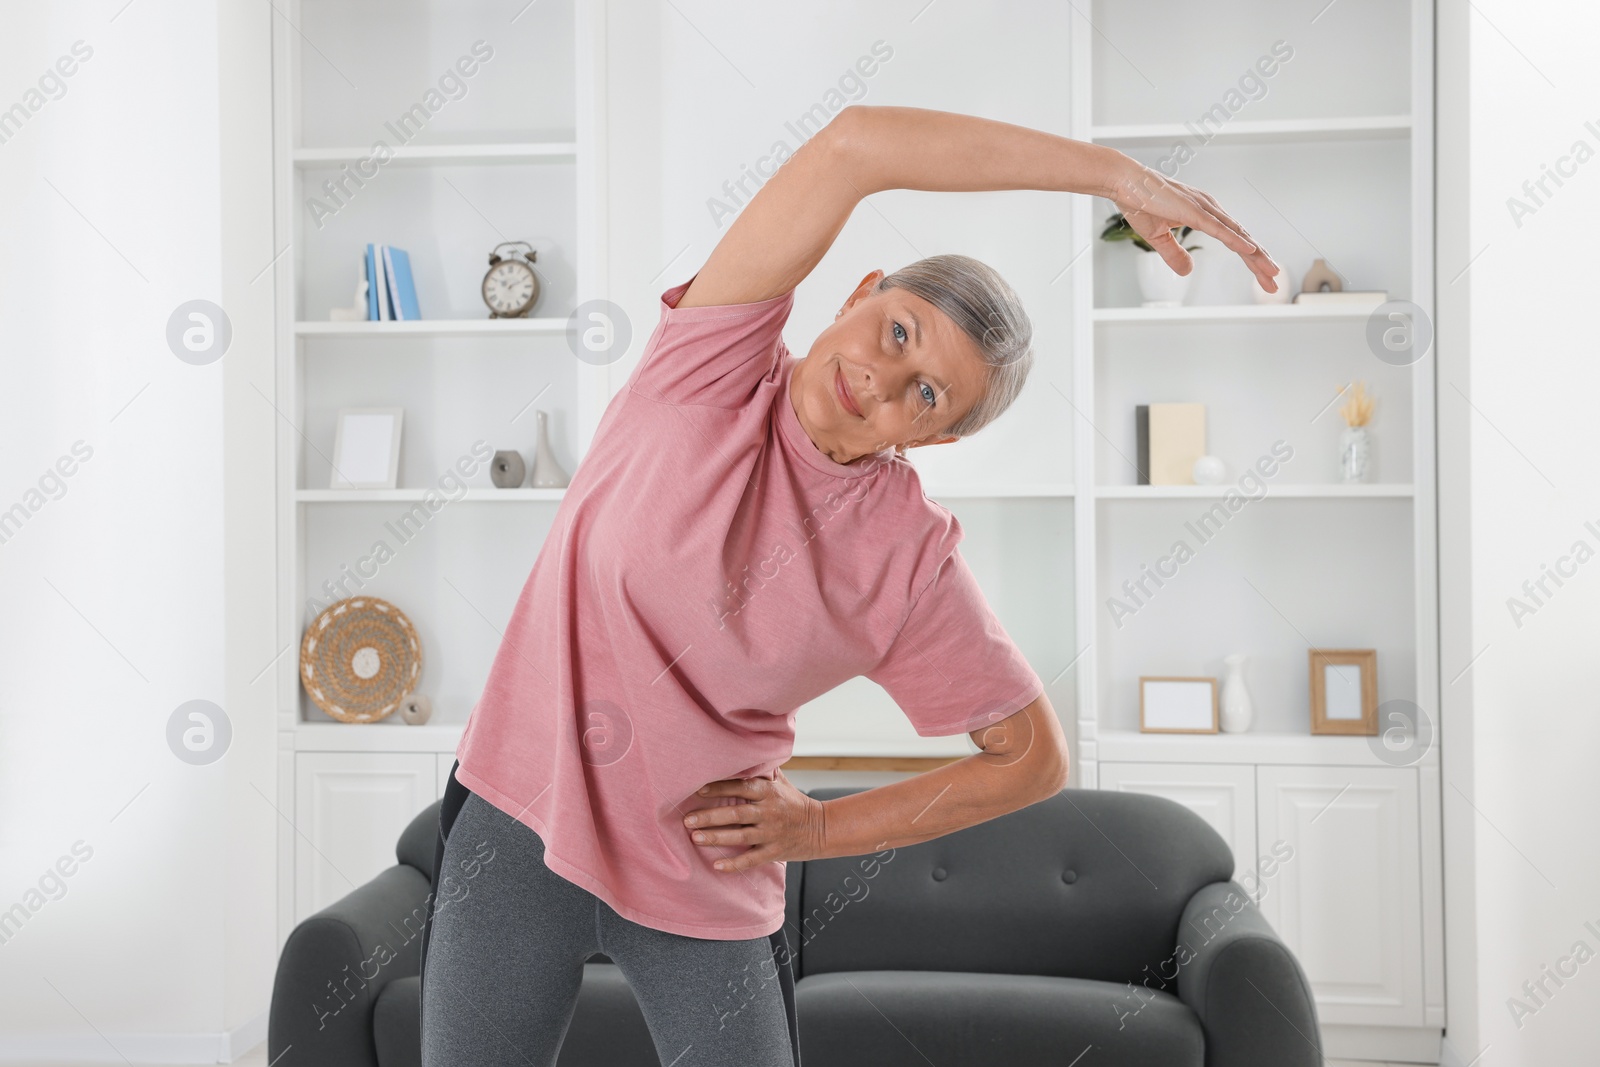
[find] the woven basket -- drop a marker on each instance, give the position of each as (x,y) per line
(359,659)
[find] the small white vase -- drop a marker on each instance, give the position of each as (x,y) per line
(1355,454)
(1160,285)
(1236,712)
(547,473)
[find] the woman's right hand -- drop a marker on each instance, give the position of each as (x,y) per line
(1155,205)
(778,821)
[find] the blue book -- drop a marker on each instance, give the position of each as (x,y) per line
(385,305)
(372,286)
(402,289)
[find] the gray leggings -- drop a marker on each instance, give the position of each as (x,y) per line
(503,962)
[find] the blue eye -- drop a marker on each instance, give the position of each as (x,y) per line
(902,339)
(931,395)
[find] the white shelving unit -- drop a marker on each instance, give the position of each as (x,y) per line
(1250,359)
(1325,162)
(1319,166)
(512,150)
(493,118)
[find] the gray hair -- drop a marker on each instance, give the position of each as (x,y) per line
(979,301)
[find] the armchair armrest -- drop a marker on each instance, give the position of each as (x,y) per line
(335,964)
(1237,975)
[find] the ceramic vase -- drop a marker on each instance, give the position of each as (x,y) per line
(506,470)
(1321,277)
(416,709)
(547,473)
(1355,454)
(1235,712)
(1160,286)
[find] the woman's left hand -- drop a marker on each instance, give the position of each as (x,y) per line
(777,820)
(1155,205)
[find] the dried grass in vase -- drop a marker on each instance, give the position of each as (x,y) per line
(1357,411)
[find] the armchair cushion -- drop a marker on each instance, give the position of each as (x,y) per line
(913,1018)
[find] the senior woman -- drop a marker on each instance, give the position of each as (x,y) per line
(744,535)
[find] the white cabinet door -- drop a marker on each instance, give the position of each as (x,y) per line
(1223,794)
(350,809)
(1349,900)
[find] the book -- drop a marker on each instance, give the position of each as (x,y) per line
(389,281)
(1169,438)
(402,289)
(1357,297)
(1141,443)
(372,286)
(378,305)
(385,307)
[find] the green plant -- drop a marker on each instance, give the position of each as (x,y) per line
(1117,229)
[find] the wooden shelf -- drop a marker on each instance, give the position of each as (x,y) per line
(1163,134)
(371,496)
(1234,313)
(1207,492)
(445,155)
(434,328)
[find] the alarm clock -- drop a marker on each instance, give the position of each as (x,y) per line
(511,287)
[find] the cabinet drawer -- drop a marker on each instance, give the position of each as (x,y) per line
(1223,794)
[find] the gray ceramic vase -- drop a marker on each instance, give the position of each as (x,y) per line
(547,473)
(506,469)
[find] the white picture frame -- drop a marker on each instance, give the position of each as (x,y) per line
(366,448)
(1178,705)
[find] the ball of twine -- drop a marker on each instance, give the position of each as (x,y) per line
(359,659)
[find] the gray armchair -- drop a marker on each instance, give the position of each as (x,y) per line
(1095,923)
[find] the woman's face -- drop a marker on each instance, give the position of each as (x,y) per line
(892,370)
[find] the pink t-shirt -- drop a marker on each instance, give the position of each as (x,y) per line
(710,570)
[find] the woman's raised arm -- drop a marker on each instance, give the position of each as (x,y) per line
(785,229)
(793,219)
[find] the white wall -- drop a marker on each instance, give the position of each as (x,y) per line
(111,591)
(1518,378)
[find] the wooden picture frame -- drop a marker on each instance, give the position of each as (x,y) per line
(366,448)
(1344,691)
(1177,705)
